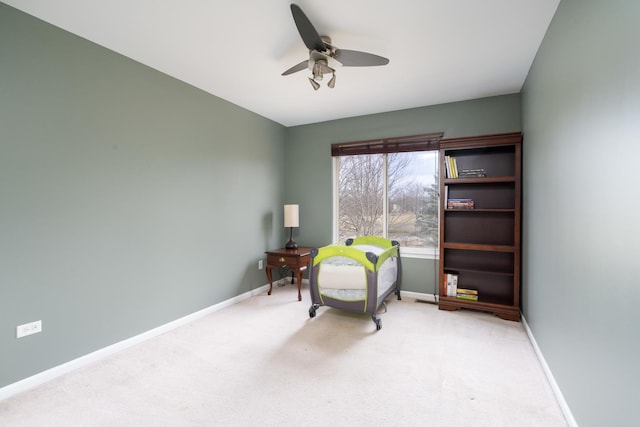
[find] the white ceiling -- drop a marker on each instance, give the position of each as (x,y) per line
(439,50)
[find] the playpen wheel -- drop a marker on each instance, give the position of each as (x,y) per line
(312,312)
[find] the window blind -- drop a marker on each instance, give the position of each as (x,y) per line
(424,142)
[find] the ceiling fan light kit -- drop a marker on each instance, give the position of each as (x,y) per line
(322,52)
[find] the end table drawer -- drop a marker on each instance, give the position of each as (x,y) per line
(281,261)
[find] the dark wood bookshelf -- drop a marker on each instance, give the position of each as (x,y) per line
(482,245)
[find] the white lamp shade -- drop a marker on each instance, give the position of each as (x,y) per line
(291,218)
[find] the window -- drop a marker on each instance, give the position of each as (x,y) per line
(393,194)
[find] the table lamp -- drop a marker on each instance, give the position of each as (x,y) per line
(291,219)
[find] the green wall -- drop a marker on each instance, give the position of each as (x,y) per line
(581,121)
(128,199)
(309,165)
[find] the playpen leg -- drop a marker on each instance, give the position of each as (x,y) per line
(377,321)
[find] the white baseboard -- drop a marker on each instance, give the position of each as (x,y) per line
(57,371)
(552,381)
(419,296)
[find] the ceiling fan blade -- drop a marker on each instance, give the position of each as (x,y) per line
(298,67)
(354,58)
(306,29)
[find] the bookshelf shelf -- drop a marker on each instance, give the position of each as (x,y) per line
(494,305)
(480,235)
(480,210)
(470,270)
(483,180)
(477,247)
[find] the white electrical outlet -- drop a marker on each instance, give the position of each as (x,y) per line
(260,265)
(28,329)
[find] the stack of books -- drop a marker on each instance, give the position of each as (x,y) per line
(460,204)
(472,173)
(469,294)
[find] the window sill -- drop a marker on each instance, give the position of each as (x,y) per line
(418,253)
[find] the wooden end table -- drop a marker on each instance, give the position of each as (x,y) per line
(296,259)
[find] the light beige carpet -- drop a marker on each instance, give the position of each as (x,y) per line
(264,362)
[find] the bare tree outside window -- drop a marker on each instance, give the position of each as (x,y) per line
(412,197)
(361,188)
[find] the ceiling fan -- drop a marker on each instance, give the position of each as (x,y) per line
(321,52)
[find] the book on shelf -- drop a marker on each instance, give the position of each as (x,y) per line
(447,167)
(451,167)
(451,283)
(472,173)
(460,204)
(468,294)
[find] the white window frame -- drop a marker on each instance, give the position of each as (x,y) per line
(409,252)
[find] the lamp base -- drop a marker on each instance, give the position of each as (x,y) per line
(291,245)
